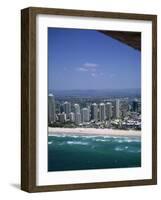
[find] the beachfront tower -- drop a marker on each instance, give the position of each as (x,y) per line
(135,105)
(117,109)
(51,109)
(108,110)
(76,108)
(102,115)
(67,108)
(71,117)
(94,112)
(77,118)
(77,114)
(85,115)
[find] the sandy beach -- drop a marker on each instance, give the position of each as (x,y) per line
(94,131)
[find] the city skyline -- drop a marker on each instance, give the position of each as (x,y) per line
(114,113)
(77,60)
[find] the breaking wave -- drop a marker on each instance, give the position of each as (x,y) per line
(76,143)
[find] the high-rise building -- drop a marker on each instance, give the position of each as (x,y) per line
(62,117)
(51,109)
(77,118)
(85,115)
(108,110)
(94,112)
(139,106)
(117,109)
(102,115)
(61,108)
(124,108)
(77,114)
(135,105)
(58,107)
(76,108)
(67,108)
(71,117)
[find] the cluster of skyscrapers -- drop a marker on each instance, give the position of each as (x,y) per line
(75,114)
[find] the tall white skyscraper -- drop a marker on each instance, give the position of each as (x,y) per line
(85,115)
(77,118)
(94,112)
(102,115)
(77,114)
(117,109)
(108,108)
(76,108)
(67,108)
(51,109)
(72,117)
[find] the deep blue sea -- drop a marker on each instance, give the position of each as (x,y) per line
(74,152)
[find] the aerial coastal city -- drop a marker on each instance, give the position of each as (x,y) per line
(94,100)
(114,113)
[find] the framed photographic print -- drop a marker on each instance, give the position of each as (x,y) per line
(88,99)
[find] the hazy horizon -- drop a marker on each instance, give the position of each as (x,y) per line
(97,89)
(98,93)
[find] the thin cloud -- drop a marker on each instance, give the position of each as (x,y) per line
(90,65)
(91,68)
(82,69)
(93,74)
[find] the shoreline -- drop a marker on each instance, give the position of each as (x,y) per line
(94,131)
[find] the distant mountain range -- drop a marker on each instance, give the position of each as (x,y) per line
(98,93)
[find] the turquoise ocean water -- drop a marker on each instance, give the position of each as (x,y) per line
(74,152)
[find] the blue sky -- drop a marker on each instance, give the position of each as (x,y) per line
(88,59)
